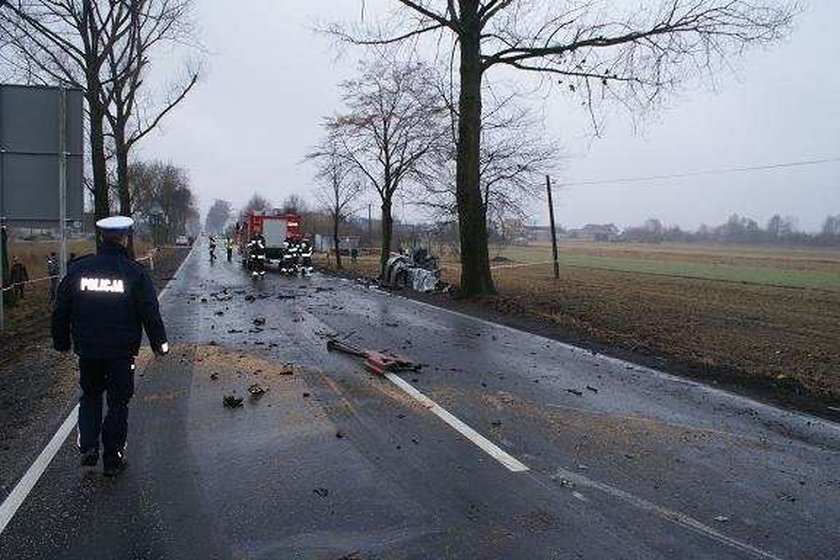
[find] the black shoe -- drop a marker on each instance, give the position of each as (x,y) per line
(90,458)
(113,468)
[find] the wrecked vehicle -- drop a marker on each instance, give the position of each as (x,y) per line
(419,271)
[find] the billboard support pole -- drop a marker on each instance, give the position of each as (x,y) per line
(3,239)
(62,179)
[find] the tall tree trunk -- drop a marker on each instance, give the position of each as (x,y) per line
(101,203)
(336,244)
(387,233)
(476,277)
(121,150)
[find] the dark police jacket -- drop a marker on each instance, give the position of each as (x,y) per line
(105,301)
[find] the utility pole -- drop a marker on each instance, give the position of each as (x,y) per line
(370,225)
(553,229)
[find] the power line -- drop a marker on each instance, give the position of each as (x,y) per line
(701,173)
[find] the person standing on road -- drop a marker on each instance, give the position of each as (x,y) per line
(229,248)
(18,276)
(256,254)
(104,303)
(53,270)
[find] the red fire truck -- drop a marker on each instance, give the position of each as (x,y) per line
(279,230)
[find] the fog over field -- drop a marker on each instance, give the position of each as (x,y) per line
(270,80)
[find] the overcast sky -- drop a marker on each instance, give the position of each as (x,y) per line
(270,80)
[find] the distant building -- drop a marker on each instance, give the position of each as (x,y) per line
(539,234)
(595,232)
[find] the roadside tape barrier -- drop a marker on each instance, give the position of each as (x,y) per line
(150,257)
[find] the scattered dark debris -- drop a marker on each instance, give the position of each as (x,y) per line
(306,395)
(204,300)
(298,320)
(287,369)
(787,498)
(400,415)
(392,325)
(415,441)
(321,492)
(496,423)
(232,401)
(250,298)
(219,313)
(575,392)
(256,391)
(323,289)
(234,331)
(339,435)
(214,376)
(259,343)
(212,343)
(259,321)
(721,519)
(255,330)
(286,296)
(590,388)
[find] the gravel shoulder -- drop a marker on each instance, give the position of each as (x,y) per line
(38,386)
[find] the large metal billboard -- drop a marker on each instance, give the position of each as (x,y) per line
(31,143)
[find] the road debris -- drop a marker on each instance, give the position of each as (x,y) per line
(214,376)
(721,519)
(286,369)
(321,492)
(376,362)
(232,401)
(339,435)
(256,391)
(590,388)
(575,392)
(249,298)
(259,321)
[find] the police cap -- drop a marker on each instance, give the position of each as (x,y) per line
(115,224)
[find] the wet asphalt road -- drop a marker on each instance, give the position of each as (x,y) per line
(332,463)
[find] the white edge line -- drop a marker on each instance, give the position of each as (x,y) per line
(33,474)
(482,442)
(669,514)
(21,490)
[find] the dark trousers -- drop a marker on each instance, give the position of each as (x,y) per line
(116,379)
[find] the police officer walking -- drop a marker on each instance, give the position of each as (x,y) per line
(104,302)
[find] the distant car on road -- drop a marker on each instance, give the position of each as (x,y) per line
(182,240)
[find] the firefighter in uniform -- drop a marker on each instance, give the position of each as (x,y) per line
(103,304)
(256,249)
(306,256)
(229,248)
(294,254)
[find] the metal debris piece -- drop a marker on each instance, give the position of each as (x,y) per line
(721,519)
(214,376)
(259,321)
(376,362)
(339,435)
(249,298)
(232,401)
(256,391)
(590,388)
(575,392)
(321,492)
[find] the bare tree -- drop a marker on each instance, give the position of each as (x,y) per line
(257,204)
(602,51)
(68,42)
(218,216)
(294,204)
(393,121)
(338,187)
(158,186)
(515,156)
(131,116)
